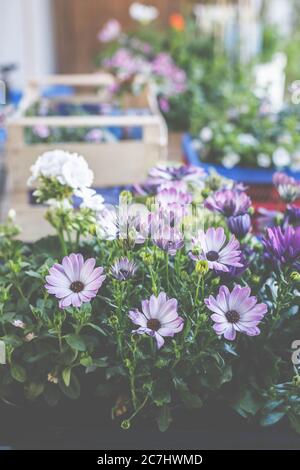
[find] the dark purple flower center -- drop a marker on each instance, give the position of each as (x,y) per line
(124,272)
(229,208)
(153,324)
(232,316)
(77,286)
(212,256)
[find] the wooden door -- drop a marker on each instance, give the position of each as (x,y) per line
(77,23)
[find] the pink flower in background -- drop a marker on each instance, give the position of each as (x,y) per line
(94,135)
(236,311)
(110,31)
(43,132)
(164,67)
(19,324)
(164,105)
(159,318)
(74,281)
(287,187)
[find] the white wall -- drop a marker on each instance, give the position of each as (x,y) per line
(26,37)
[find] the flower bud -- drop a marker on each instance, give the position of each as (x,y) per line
(295,276)
(239,225)
(201,267)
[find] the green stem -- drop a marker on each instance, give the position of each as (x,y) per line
(152,275)
(197,290)
(20,291)
(138,409)
(77,240)
(69,240)
(62,243)
(167,270)
(132,388)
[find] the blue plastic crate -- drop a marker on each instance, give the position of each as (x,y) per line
(245,175)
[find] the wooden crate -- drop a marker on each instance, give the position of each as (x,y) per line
(114,163)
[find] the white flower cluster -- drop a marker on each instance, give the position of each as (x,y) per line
(143,13)
(69,169)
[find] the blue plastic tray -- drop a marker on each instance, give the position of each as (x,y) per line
(245,175)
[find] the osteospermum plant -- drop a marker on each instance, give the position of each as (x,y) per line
(205,309)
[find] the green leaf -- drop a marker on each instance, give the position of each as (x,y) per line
(272,418)
(247,404)
(18,372)
(191,400)
(12,340)
(73,390)
(97,328)
(86,361)
(34,390)
(161,397)
(294,420)
(66,375)
(100,361)
(34,274)
(7,317)
(164,418)
(76,342)
(272,405)
(227,375)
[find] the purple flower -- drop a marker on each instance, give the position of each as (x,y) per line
(287,187)
(239,225)
(282,245)
(164,104)
(234,271)
(94,135)
(170,241)
(235,312)
(110,31)
(158,318)
(292,215)
(173,78)
(169,197)
(163,173)
(123,269)
(43,132)
(266,218)
(228,202)
(74,281)
(212,246)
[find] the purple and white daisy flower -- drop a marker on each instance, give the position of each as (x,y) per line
(236,311)
(123,269)
(159,318)
(213,247)
(173,196)
(171,240)
(75,281)
(175,201)
(162,173)
(287,187)
(229,202)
